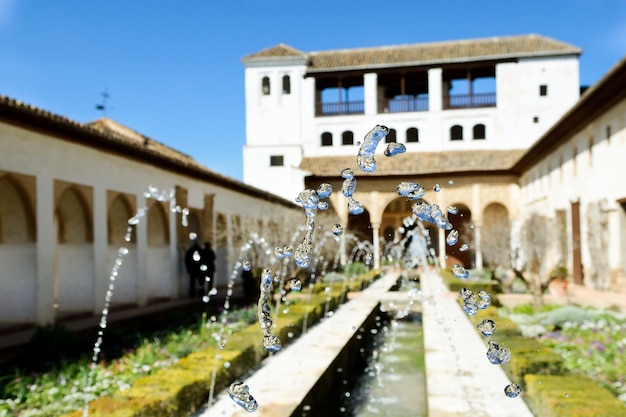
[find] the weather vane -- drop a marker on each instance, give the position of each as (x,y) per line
(103,107)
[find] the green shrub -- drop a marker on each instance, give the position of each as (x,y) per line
(570,396)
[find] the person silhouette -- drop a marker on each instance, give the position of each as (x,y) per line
(208,259)
(193,261)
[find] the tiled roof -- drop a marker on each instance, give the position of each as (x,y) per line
(275,52)
(416,163)
(435,53)
(113,137)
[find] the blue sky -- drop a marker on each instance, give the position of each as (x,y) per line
(173,68)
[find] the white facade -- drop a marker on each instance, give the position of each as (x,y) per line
(64,208)
(576,173)
(512,98)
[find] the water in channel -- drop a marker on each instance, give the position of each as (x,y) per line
(391,381)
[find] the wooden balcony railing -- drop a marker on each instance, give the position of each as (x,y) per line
(339,108)
(397,105)
(465,101)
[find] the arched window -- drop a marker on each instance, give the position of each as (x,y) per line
(479,131)
(286,84)
(265,83)
(391,137)
(412,134)
(456,132)
(347,138)
(327,139)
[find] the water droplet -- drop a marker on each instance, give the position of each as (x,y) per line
(405,188)
(295,284)
(394,149)
(193,236)
(368,258)
(196,256)
(246,265)
(365,158)
(470,309)
(512,390)
(347,173)
(203,268)
(497,354)
(453,237)
(487,327)
(240,394)
(279,252)
(324,190)
(348,186)
(567,395)
(213,292)
(355,207)
(453,210)
(183,220)
(460,272)
(464,247)
(322,205)
(451,182)
(205,299)
(337,229)
(484,299)
(271,343)
(308,199)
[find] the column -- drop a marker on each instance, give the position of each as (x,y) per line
(478,255)
(142,254)
(370,85)
(175,227)
(100,246)
(46,247)
(435,89)
(442,247)
(376,242)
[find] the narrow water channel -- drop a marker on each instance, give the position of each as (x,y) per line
(393,383)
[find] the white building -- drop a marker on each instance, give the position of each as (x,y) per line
(482,94)
(67,191)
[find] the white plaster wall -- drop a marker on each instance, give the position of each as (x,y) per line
(153,274)
(126,282)
(75,277)
(18,283)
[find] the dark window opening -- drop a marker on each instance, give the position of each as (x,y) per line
(536,119)
(327,139)
(456,132)
(608,133)
(266,86)
(286,85)
(479,131)
(277,161)
(347,138)
(412,134)
(543,90)
(391,137)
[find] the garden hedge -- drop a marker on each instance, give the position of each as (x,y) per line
(548,388)
(181,389)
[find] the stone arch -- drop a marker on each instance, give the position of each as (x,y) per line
(194,225)
(17,252)
(160,279)
(74,259)
(495,236)
(462,222)
(120,210)
(17,223)
(74,219)
(359,225)
(393,215)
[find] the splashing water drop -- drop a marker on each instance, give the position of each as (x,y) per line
(464,247)
(337,229)
(451,182)
(308,199)
(184,218)
(487,327)
(240,394)
(347,173)
(205,299)
(470,309)
(497,354)
(417,194)
(453,237)
(437,188)
(279,252)
(453,210)
(348,186)
(368,258)
(460,272)
(324,190)
(295,284)
(365,157)
(213,292)
(287,251)
(484,299)
(196,256)
(512,390)
(355,207)
(394,149)
(271,343)
(193,236)
(404,188)
(322,205)
(246,265)
(203,268)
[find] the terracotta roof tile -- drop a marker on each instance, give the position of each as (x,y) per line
(416,163)
(279,51)
(440,52)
